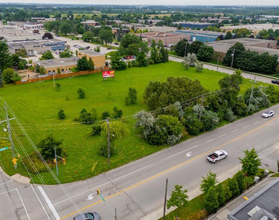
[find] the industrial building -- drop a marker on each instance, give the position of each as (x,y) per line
(52,66)
(258,45)
(99,59)
(200,25)
(34,47)
(90,23)
(203,36)
(263,205)
(255,28)
(13,34)
(166,38)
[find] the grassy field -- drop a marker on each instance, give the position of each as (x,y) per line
(37,104)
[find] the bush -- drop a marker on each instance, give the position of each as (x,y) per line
(61,114)
(211,203)
(103,149)
(96,130)
(37,166)
(81,93)
(16,77)
(57,86)
(117,113)
(105,115)
(239,176)
(85,117)
(233,185)
(132,96)
(8,75)
(248,181)
(229,115)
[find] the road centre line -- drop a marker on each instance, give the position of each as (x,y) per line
(22,204)
(122,176)
(50,205)
(172,168)
(234,130)
(222,135)
(40,201)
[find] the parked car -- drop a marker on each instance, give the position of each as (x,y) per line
(116,43)
(216,156)
(57,35)
(109,48)
(275,81)
(125,58)
(268,114)
(86,48)
(88,216)
(134,57)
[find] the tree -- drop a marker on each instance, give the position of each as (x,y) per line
(117,113)
(47,36)
(195,46)
(182,48)
(239,177)
(211,202)
(47,145)
(205,53)
(1,79)
(106,35)
(83,64)
(141,59)
(90,64)
(178,199)
(116,63)
(85,117)
(81,93)
(145,122)
(235,51)
(234,187)
(250,162)
(105,115)
(208,182)
(65,28)
(21,65)
(132,96)
(47,56)
(221,195)
(228,35)
(6,59)
(8,75)
(87,36)
(61,114)
(65,54)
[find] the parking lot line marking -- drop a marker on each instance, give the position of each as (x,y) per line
(22,204)
(40,201)
(170,169)
(245,197)
(50,205)
(234,130)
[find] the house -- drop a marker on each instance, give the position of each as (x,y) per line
(52,66)
(98,59)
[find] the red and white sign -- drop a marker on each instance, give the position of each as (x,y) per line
(108,74)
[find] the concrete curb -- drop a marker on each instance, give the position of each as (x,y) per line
(16,177)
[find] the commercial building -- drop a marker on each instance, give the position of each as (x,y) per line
(166,38)
(34,47)
(264,205)
(258,45)
(116,30)
(149,21)
(203,36)
(200,25)
(52,66)
(13,34)
(99,59)
(255,28)
(90,23)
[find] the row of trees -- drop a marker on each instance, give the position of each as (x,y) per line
(181,106)
(250,60)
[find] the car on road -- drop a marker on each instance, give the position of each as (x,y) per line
(109,48)
(88,216)
(216,156)
(268,114)
(275,81)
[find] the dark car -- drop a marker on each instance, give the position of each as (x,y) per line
(88,216)
(116,43)
(275,81)
(109,48)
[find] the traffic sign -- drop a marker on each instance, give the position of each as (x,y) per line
(5,148)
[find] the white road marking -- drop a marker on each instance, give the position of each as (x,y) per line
(7,191)
(257,122)
(90,197)
(189,154)
(40,202)
(270,124)
(222,135)
(234,130)
(23,204)
(210,140)
(246,126)
(50,205)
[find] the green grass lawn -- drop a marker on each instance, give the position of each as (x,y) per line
(37,104)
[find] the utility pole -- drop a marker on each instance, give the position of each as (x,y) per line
(56,162)
(165,200)
(218,63)
(108,141)
(185,49)
(252,90)
(232,57)
(200,113)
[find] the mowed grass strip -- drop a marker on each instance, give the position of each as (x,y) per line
(37,104)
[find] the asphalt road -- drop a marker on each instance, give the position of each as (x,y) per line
(137,189)
(228,71)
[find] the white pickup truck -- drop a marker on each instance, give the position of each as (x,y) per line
(217,155)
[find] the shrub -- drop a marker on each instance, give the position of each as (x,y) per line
(132,96)
(61,114)
(199,67)
(211,203)
(239,176)
(57,86)
(234,187)
(105,115)
(117,113)
(96,130)
(229,115)
(103,149)
(248,181)
(85,117)
(221,195)
(37,166)
(16,77)
(81,93)
(8,75)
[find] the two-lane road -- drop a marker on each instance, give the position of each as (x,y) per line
(137,189)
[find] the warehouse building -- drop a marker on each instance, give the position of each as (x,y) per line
(99,59)
(166,38)
(200,25)
(203,36)
(13,34)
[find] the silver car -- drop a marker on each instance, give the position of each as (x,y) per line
(268,114)
(88,216)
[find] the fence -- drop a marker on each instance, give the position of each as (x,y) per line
(60,76)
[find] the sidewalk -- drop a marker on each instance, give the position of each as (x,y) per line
(192,194)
